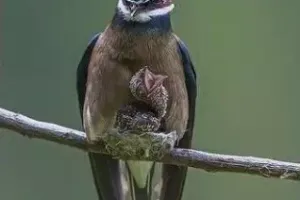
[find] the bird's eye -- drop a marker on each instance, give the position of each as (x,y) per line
(162,2)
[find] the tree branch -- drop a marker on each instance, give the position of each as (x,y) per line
(197,159)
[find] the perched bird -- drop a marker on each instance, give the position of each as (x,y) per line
(140,34)
(144,114)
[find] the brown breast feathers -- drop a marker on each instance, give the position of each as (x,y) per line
(118,55)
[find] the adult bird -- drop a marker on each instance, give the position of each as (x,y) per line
(140,34)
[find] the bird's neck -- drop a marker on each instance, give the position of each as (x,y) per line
(157,25)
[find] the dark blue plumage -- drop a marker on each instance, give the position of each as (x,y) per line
(161,24)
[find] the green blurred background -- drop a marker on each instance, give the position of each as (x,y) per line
(247,53)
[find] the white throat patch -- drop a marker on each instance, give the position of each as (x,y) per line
(143,16)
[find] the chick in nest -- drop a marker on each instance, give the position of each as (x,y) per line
(147,112)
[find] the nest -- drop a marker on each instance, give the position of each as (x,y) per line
(138,146)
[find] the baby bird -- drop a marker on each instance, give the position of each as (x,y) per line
(145,114)
(148,88)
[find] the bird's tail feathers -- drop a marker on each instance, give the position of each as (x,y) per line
(107,176)
(140,191)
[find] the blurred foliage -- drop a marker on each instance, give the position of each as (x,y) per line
(247,59)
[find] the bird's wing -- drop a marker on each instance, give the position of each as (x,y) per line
(106,171)
(82,72)
(174,176)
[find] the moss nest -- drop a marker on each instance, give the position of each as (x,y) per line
(136,145)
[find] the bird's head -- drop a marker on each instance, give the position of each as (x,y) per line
(148,87)
(144,10)
(152,81)
(145,84)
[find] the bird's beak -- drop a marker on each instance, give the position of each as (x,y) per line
(159,80)
(133,9)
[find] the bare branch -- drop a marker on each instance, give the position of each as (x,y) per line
(197,159)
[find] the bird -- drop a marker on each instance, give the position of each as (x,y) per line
(148,87)
(139,34)
(145,114)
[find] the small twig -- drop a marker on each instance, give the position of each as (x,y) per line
(197,159)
